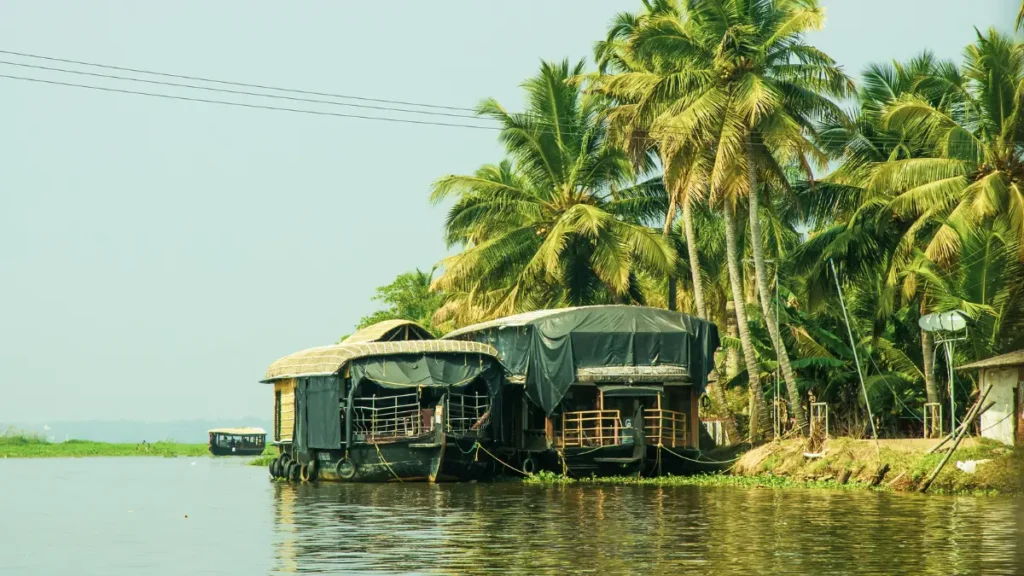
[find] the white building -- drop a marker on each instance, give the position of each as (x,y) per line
(1005,375)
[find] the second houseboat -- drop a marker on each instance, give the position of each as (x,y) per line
(375,409)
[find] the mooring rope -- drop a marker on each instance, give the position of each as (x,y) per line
(680,456)
(565,465)
(381,456)
(499,461)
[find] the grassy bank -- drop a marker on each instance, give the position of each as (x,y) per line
(27,446)
(848,464)
(909,464)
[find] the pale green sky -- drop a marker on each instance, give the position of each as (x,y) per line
(157,255)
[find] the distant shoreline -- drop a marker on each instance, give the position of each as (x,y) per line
(29,447)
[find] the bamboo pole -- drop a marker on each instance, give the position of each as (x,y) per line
(969,416)
(959,437)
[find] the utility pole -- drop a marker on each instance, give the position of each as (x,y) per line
(947,325)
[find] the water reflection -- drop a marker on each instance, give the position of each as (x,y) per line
(516,529)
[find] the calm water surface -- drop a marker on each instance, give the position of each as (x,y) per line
(132,516)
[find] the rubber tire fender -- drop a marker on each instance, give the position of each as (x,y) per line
(293,471)
(308,471)
(275,470)
(529,465)
(346,469)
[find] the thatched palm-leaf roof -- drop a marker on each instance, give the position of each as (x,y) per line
(329,359)
(389,330)
(238,431)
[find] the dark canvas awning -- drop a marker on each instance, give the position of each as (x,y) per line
(554,349)
(613,390)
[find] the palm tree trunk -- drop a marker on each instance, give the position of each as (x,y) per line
(669,217)
(732,357)
(761,274)
(759,424)
(691,252)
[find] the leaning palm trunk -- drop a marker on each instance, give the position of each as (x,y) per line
(691,252)
(759,424)
(761,274)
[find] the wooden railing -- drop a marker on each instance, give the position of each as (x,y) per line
(665,428)
(591,428)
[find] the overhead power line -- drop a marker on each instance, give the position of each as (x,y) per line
(231,83)
(468,114)
(239,92)
(246,105)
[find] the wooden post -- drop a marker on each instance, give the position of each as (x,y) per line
(600,399)
(693,419)
(549,431)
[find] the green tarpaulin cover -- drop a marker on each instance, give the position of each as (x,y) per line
(548,347)
(323,416)
(428,370)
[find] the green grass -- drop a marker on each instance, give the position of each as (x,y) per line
(33,446)
(268,456)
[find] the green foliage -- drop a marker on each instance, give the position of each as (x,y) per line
(409,297)
(560,221)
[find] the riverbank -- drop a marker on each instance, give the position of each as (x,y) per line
(32,447)
(850,464)
(985,466)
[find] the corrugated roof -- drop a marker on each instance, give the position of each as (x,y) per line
(239,431)
(329,359)
(379,331)
(1004,361)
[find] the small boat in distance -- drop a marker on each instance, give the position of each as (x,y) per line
(237,441)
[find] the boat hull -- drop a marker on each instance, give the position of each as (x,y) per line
(224,451)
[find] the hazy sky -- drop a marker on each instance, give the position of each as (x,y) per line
(157,255)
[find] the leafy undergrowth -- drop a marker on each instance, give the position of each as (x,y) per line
(756,481)
(29,446)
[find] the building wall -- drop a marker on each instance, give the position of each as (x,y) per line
(1000,422)
(284,420)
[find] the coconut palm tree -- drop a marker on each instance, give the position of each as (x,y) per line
(634,118)
(972,168)
(560,222)
(751,88)
(854,225)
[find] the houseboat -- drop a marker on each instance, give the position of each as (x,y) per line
(237,441)
(376,409)
(601,390)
